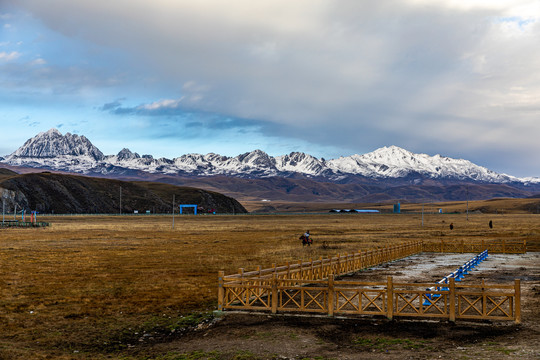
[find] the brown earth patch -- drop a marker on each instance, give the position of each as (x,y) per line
(258,336)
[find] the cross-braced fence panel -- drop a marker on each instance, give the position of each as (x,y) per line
(309,299)
(247,297)
(482,305)
(420,303)
(360,301)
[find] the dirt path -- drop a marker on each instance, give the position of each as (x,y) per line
(244,336)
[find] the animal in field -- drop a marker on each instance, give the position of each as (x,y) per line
(306,240)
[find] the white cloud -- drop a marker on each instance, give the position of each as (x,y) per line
(163,104)
(355,74)
(38,61)
(9,56)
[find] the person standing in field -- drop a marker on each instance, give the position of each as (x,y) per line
(490,224)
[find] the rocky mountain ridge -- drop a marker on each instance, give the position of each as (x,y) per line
(74,153)
(71,194)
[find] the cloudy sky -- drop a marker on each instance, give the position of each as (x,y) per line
(460,78)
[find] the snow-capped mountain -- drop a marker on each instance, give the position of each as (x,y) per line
(52,150)
(395,162)
(52,143)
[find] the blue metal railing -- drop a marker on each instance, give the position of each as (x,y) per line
(458,274)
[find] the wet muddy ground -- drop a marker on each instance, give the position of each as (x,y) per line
(262,336)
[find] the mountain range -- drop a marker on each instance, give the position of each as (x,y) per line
(381,171)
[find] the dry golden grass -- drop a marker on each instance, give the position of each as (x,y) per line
(493,206)
(87,284)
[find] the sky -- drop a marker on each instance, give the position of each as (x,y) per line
(331,78)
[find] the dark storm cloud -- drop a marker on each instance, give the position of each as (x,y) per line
(346,73)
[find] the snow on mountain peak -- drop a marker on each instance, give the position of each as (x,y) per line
(126,154)
(52,144)
(76,153)
(51,132)
(257,158)
(300,162)
(391,154)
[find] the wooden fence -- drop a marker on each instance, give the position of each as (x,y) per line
(389,299)
(493,246)
(533,247)
(310,287)
(322,268)
(19,224)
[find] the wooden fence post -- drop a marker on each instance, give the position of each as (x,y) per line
(221,290)
(274,293)
(331,295)
(389,298)
(452,300)
(260,290)
(330,266)
(517,294)
(484,299)
(241,273)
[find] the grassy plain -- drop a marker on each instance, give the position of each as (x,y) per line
(493,206)
(88,287)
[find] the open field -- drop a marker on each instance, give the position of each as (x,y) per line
(493,206)
(121,287)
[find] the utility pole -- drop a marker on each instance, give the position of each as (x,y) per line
(173,211)
(3,206)
(422,214)
(467,202)
(120,208)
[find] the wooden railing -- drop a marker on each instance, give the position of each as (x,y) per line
(310,287)
(19,224)
(322,268)
(493,246)
(533,247)
(389,299)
